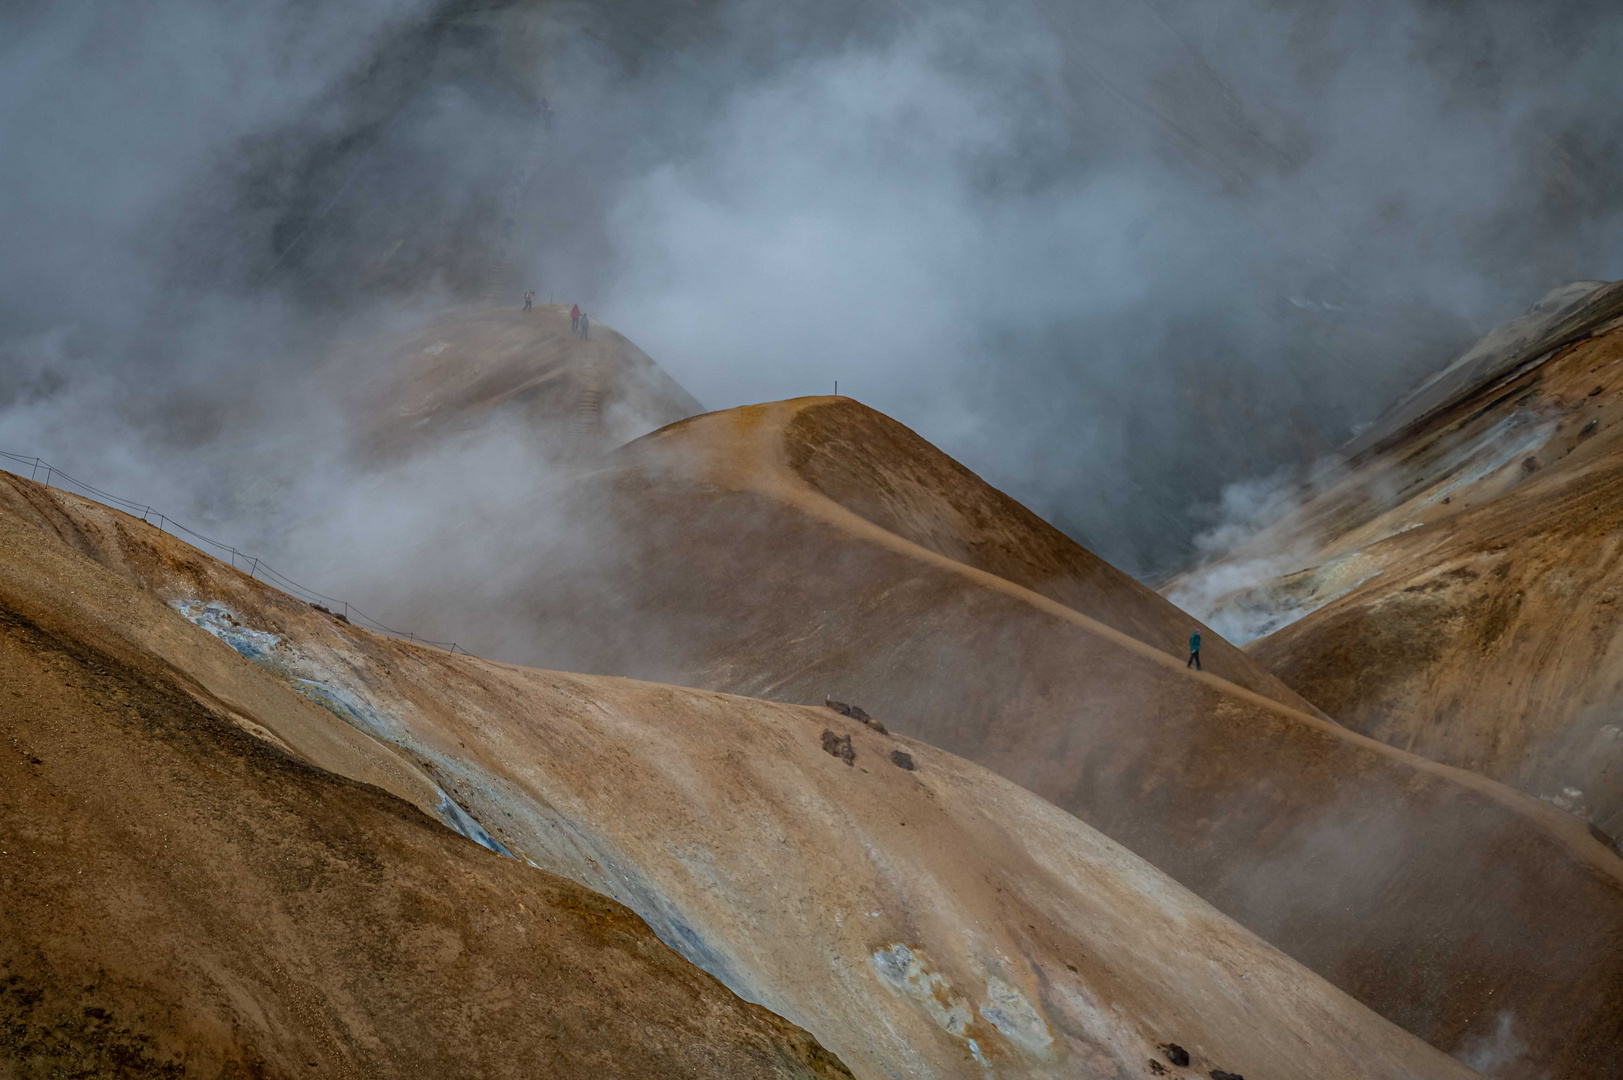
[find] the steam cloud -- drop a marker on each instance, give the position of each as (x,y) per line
(1114,257)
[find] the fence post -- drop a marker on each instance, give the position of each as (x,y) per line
(48,471)
(34,472)
(255,568)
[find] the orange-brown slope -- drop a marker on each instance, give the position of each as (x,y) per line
(929,918)
(452,373)
(885,473)
(1486,632)
(1472,432)
(179,898)
(1565,315)
(1439,898)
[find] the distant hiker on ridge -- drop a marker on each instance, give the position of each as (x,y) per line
(1194,650)
(574,319)
(585,327)
(528,298)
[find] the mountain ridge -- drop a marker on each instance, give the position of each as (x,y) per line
(679,802)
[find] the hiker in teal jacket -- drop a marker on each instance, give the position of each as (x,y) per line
(1194,651)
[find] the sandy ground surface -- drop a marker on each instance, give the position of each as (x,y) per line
(1456,907)
(1565,315)
(454,373)
(880,470)
(181,898)
(932,920)
(1462,586)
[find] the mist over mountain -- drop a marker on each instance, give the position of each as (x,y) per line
(747,659)
(1114,255)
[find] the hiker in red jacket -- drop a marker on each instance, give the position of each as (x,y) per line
(574,318)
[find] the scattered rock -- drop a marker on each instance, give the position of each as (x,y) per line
(1595,391)
(1176,1054)
(902,760)
(1219,1074)
(1529,464)
(1604,837)
(1589,429)
(855,712)
(839,746)
(321,609)
(1157,1068)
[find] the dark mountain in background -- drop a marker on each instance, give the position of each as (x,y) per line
(1202,241)
(263,272)
(1309,299)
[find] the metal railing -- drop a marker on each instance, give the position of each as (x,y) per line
(253,565)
